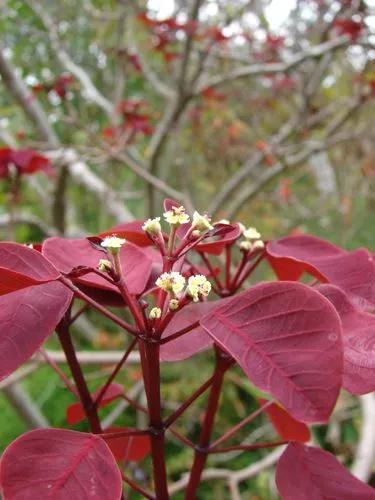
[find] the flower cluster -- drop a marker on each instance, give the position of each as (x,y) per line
(252,239)
(197,287)
(113,244)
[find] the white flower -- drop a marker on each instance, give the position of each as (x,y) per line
(113,243)
(251,234)
(223,221)
(104,265)
(198,286)
(155,313)
(152,226)
(246,246)
(177,216)
(201,222)
(258,245)
(242,227)
(173,304)
(172,282)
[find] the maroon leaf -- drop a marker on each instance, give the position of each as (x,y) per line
(354,272)
(287,339)
(358,342)
(67,254)
(218,243)
(75,412)
(60,465)
(286,426)
(27,317)
(129,448)
(191,343)
(308,473)
(22,267)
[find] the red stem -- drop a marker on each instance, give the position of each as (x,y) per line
(249,447)
(134,486)
(174,416)
(241,424)
(62,331)
(178,334)
(212,272)
(118,321)
(114,373)
(248,271)
(228,262)
(200,456)
(134,432)
(157,431)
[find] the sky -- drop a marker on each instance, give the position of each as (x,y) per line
(277,11)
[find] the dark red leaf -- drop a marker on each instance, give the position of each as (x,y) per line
(27,317)
(354,272)
(358,342)
(193,342)
(67,254)
(75,412)
(309,473)
(26,161)
(128,448)
(60,465)
(287,339)
(21,267)
(286,426)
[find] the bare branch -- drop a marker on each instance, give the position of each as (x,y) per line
(271,68)
(67,62)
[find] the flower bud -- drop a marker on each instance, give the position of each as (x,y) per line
(258,245)
(104,265)
(201,222)
(251,234)
(152,226)
(155,313)
(246,246)
(173,305)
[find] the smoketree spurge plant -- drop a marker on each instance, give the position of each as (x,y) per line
(298,343)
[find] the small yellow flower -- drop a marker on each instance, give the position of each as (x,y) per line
(198,286)
(172,282)
(201,222)
(113,244)
(155,313)
(176,216)
(152,226)
(251,234)
(104,265)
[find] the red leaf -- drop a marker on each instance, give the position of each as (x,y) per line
(285,425)
(287,339)
(60,465)
(27,317)
(22,267)
(358,342)
(67,254)
(191,343)
(308,473)
(26,161)
(354,272)
(129,448)
(348,27)
(75,413)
